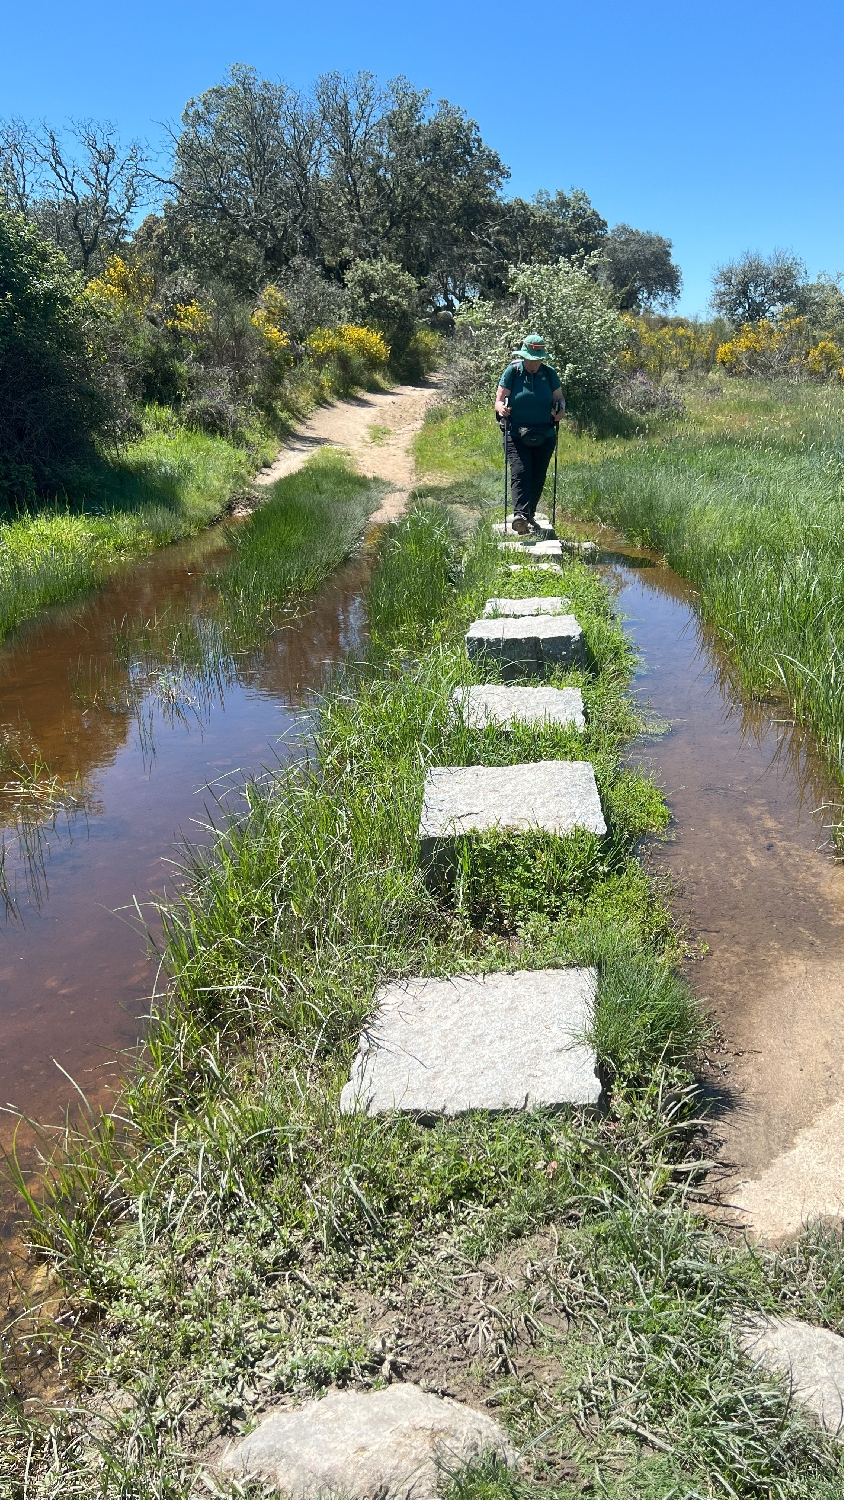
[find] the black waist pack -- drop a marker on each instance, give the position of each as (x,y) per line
(531,437)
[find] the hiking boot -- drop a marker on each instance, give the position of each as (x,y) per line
(520,526)
(534,528)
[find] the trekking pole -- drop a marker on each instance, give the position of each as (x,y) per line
(504,431)
(554,501)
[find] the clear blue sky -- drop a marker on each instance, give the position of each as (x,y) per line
(719,124)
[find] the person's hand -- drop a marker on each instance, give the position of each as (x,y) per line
(503,411)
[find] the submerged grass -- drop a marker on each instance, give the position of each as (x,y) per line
(226,1237)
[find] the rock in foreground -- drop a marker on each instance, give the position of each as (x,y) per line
(811,1359)
(396,1444)
(477,1041)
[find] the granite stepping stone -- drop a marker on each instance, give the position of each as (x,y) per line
(538,567)
(494,704)
(401,1443)
(548,551)
(549,604)
(546,530)
(524,645)
(811,1359)
(555,796)
(477,1041)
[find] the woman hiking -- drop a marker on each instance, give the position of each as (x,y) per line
(529,401)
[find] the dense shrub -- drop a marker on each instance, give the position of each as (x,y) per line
(583,331)
(383,296)
(55,396)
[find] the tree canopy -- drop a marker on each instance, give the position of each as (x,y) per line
(757,286)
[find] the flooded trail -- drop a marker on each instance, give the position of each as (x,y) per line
(76,968)
(756,884)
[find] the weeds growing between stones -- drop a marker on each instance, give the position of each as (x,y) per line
(226,1238)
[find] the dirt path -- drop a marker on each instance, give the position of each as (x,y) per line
(376,429)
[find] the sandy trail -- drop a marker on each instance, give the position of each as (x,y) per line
(376,428)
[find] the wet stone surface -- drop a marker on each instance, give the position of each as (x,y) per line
(555,796)
(490,1041)
(525,645)
(401,1443)
(550,604)
(810,1359)
(494,704)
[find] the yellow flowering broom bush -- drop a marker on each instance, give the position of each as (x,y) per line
(365,344)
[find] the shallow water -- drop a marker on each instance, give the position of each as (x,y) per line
(139,757)
(752,868)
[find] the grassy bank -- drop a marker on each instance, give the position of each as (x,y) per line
(227,1237)
(745,497)
(169,484)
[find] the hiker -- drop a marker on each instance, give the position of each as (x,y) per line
(529,401)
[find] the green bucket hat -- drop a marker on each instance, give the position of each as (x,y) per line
(533,347)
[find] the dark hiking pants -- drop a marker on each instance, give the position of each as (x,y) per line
(528,467)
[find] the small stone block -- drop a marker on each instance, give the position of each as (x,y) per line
(492,704)
(401,1443)
(549,604)
(809,1358)
(555,796)
(478,1041)
(545,549)
(527,644)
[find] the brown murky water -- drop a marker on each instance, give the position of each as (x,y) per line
(76,966)
(755,878)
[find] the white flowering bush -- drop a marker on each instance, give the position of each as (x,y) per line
(563,303)
(583,332)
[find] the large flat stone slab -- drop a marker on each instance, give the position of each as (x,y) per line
(547,604)
(486,1041)
(811,1359)
(538,567)
(524,645)
(555,796)
(529,547)
(497,704)
(397,1444)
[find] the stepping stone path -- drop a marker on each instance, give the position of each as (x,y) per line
(397,1444)
(546,530)
(539,567)
(524,645)
(550,604)
(480,1041)
(492,704)
(811,1359)
(555,796)
(547,551)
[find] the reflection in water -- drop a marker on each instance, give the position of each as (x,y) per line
(132,710)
